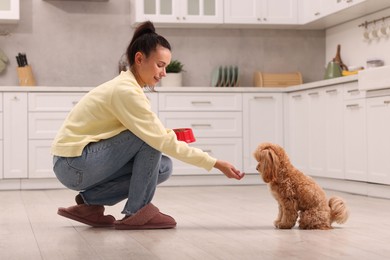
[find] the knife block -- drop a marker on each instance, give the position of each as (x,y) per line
(26,77)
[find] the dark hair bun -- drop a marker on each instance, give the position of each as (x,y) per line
(144,28)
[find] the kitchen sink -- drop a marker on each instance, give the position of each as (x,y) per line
(374,78)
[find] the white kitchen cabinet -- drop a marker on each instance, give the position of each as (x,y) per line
(339,5)
(355,140)
(316,110)
(179,11)
(262,122)
(46,113)
(325,145)
(261,12)
(296,130)
(378,129)
(314,9)
(15,135)
(9,11)
(334,163)
(216,121)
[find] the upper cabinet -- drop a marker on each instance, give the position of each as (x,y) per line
(311,10)
(179,11)
(261,12)
(287,14)
(320,14)
(9,11)
(342,4)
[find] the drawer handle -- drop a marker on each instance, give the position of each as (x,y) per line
(208,151)
(353,91)
(313,94)
(353,106)
(200,125)
(331,91)
(74,102)
(201,102)
(386,102)
(297,96)
(267,97)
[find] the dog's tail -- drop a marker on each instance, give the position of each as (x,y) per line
(338,210)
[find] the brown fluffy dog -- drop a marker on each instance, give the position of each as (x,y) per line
(297,194)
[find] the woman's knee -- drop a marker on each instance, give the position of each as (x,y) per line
(165,170)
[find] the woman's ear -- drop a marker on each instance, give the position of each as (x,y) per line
(139,56)
(268,164)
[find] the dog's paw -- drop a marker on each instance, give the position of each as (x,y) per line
(277,223)
(281,225)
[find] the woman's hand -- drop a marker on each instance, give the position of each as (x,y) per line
(229,170)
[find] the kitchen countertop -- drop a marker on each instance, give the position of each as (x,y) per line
(304,86)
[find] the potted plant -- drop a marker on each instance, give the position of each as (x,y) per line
(174,76)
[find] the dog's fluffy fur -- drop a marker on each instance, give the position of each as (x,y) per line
(298,195)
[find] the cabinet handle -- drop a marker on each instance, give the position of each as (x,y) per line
(297,96)
(313,94)
(200,102)
(264,19)
(200,125)
(317,13)
(259,19)
(349,1)
(74,102)
(208,151)
(353,106)
(386,102)
(15,98)
(331,91)
(177,18)
(353,91)
(265,97)
(184,17)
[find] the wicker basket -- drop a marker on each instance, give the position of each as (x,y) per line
(261,79)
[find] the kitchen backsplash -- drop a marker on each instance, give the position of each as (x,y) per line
(79,43)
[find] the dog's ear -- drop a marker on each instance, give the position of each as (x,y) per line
(268,164)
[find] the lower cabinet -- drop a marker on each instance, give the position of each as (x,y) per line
(378,129)
(314,132)
(15,141)
(297,129)
(262,122)
(333,132)
(355,134)
(46,113)
(216,120)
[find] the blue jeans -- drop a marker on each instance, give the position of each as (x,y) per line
(114,169)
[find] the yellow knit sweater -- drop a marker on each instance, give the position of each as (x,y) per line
(113,107)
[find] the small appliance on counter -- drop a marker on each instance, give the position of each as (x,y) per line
(333,70)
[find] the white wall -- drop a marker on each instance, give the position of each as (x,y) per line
(354,49)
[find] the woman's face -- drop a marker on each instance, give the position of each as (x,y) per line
(150,70)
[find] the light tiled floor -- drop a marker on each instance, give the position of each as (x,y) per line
(224,222)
